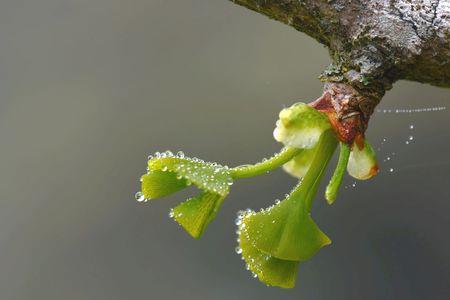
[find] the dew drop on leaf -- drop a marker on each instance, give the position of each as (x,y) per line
(139,197)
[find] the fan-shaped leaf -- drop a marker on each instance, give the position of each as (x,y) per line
(196,213)
(207,176)
(286,230)
(168,173)
(157,184)
(299,165)
(268,269)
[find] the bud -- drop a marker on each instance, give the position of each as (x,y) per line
(300,126)
(362,163)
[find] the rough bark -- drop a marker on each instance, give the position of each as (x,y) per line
(372,43)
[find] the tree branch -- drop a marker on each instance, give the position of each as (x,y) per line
(372,43)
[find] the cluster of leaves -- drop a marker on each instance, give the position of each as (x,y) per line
(274,241)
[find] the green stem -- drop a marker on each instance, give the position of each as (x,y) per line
(336,180)
(307,189)
(285,155)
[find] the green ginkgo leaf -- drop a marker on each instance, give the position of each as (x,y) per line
(286,230)
(157,184)
(206,176)
(169,173)
(196,213)
(299,165)
(268,269)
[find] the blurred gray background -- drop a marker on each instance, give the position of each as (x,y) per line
(89,88)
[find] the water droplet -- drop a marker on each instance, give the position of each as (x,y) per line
(238,250)
(391,170)
(139,197)
(180,154)
(411,138)
(171,213)
(411,126)
(354,184)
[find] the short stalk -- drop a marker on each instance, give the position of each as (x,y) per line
(279,159)
(307,189)
(339,172)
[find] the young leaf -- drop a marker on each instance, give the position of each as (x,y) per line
(206,176)
(336,180)
(268,269)
(286,230)
(299,165)
(362,163)
(157,184)
(196,213)
(168,173)
(300,126)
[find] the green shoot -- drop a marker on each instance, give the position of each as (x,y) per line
(284,156)
(275,240)
(338,175)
